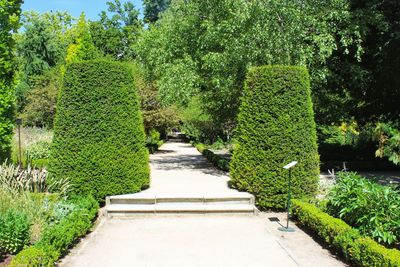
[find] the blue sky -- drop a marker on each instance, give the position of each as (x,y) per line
(91,7)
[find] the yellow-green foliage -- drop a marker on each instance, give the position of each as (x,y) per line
(99,140)
(362,251)
(276,126)
(33,257)
(83,47)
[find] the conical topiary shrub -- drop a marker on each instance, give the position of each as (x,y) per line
(99,140)
(275,126)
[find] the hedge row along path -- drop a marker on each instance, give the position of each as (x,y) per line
(195,240)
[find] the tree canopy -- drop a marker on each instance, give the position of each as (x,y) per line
(205,47)
(115,35)
(153,8)
(9,22)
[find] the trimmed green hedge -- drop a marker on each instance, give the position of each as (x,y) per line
(362,251)
(276,126)
(217,160)
(58,238)
(99,140)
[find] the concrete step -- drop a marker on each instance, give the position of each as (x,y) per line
(126,210)
(146,199)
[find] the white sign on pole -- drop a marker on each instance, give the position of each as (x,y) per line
(290,165)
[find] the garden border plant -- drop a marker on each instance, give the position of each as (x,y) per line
(217,160)
(372,208)
(276,126)
(343,239)
(58,238)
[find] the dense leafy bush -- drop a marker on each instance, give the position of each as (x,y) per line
(153,140)
(372,208)
(14,231)
(99,140)
(389,142)
(219,161)
(34,257)
(63,234)
(276,126)
(41,99)
(57,238)
(341,237)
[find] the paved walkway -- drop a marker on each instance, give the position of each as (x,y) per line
(179,168)
(195,240)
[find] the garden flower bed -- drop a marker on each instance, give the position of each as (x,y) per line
(39,223)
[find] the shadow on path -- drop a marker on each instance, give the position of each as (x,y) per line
(184,158)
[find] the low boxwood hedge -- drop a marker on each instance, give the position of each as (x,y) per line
(360,250)
(58,238)
(218,161)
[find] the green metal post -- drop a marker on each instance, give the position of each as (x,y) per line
(287,228)
(288,198)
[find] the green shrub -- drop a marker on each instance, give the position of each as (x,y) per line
(153,140)
(34,257)
(99,140)
(60,236)
(340,236)
(275,126)
(322,223)
(41,98)
(200,147)
(38,150)
(14,231)
(219,161)
(388,136)
(38,153)
(372,208)
(369,253)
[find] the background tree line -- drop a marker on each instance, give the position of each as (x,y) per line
(191,57)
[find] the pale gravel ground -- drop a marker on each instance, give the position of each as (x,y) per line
(195,240)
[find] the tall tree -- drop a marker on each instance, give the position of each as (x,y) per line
(40,46)
(82,47)
(205,47)
(368,86)
(115,35)
(153,8)
(10,11)
(44,41)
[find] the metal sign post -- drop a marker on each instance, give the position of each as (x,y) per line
(288,167)
(19,122)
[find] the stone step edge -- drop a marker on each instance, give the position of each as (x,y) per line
(163,199)
(121,209)
(178,200)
